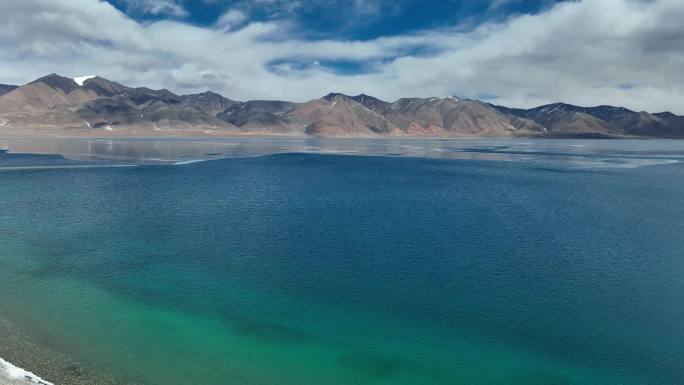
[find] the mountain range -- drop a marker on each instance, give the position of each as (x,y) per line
(94,105)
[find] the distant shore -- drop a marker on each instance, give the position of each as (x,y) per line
(138,132)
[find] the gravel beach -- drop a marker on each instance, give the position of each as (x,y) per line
(43,365)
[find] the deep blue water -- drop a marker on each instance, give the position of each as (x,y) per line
(323,269)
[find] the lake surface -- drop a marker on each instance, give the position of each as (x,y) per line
(310,261)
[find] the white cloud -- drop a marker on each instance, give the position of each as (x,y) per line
(590,52)
(156,7)
(231,19)
(496,4)
(367,7)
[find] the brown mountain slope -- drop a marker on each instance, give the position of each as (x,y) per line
(457,117)
(261,116)
(602,121)
(340,115)
(208,101)
(49,100)
(101,104)
(674,125)
(262,122)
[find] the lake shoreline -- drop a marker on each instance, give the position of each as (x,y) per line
(13,375)
(197,133)
(77,152)
(24,361)
(17,352)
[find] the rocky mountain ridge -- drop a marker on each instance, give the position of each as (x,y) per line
(97,105)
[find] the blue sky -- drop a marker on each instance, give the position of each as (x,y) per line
(340,19)
(511,52)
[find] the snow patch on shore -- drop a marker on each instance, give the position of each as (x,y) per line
(20,375)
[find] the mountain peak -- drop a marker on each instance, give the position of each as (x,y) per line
(365,99)
(103,87)
(206,96)
(364,96)
(58,82)
(335,95)
(208,100)
(50,76)
(209,93)
(556,107)
(373,103)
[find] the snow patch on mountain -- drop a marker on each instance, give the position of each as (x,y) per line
(81,79)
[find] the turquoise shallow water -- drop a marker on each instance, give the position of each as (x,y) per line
(322,269)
